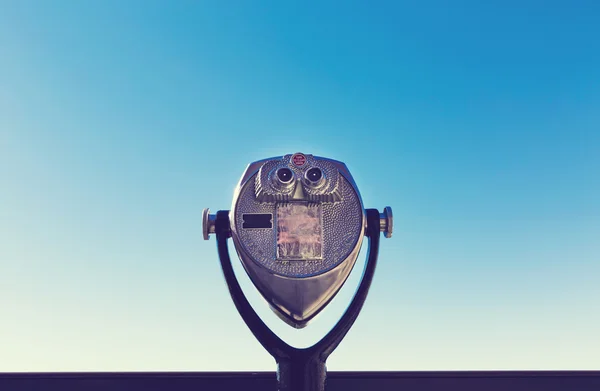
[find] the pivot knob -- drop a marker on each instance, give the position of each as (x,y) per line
(208,223)
(386,222)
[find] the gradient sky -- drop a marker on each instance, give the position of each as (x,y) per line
(478,122)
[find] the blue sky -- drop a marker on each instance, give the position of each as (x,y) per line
(478,122)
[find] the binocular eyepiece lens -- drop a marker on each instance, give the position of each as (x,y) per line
(285,175)
(314,175)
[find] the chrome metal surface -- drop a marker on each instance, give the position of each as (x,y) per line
(208,224)
(386,222)
(298,289)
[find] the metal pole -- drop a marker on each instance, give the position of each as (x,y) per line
(298,369)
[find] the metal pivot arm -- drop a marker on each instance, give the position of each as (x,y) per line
(298,369)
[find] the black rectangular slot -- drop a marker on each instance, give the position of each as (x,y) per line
(257,220)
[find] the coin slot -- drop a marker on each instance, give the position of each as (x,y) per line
(257,220)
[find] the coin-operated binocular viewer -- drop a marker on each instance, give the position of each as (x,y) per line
(297,223)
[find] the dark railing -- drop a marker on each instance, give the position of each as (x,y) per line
(336,381)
